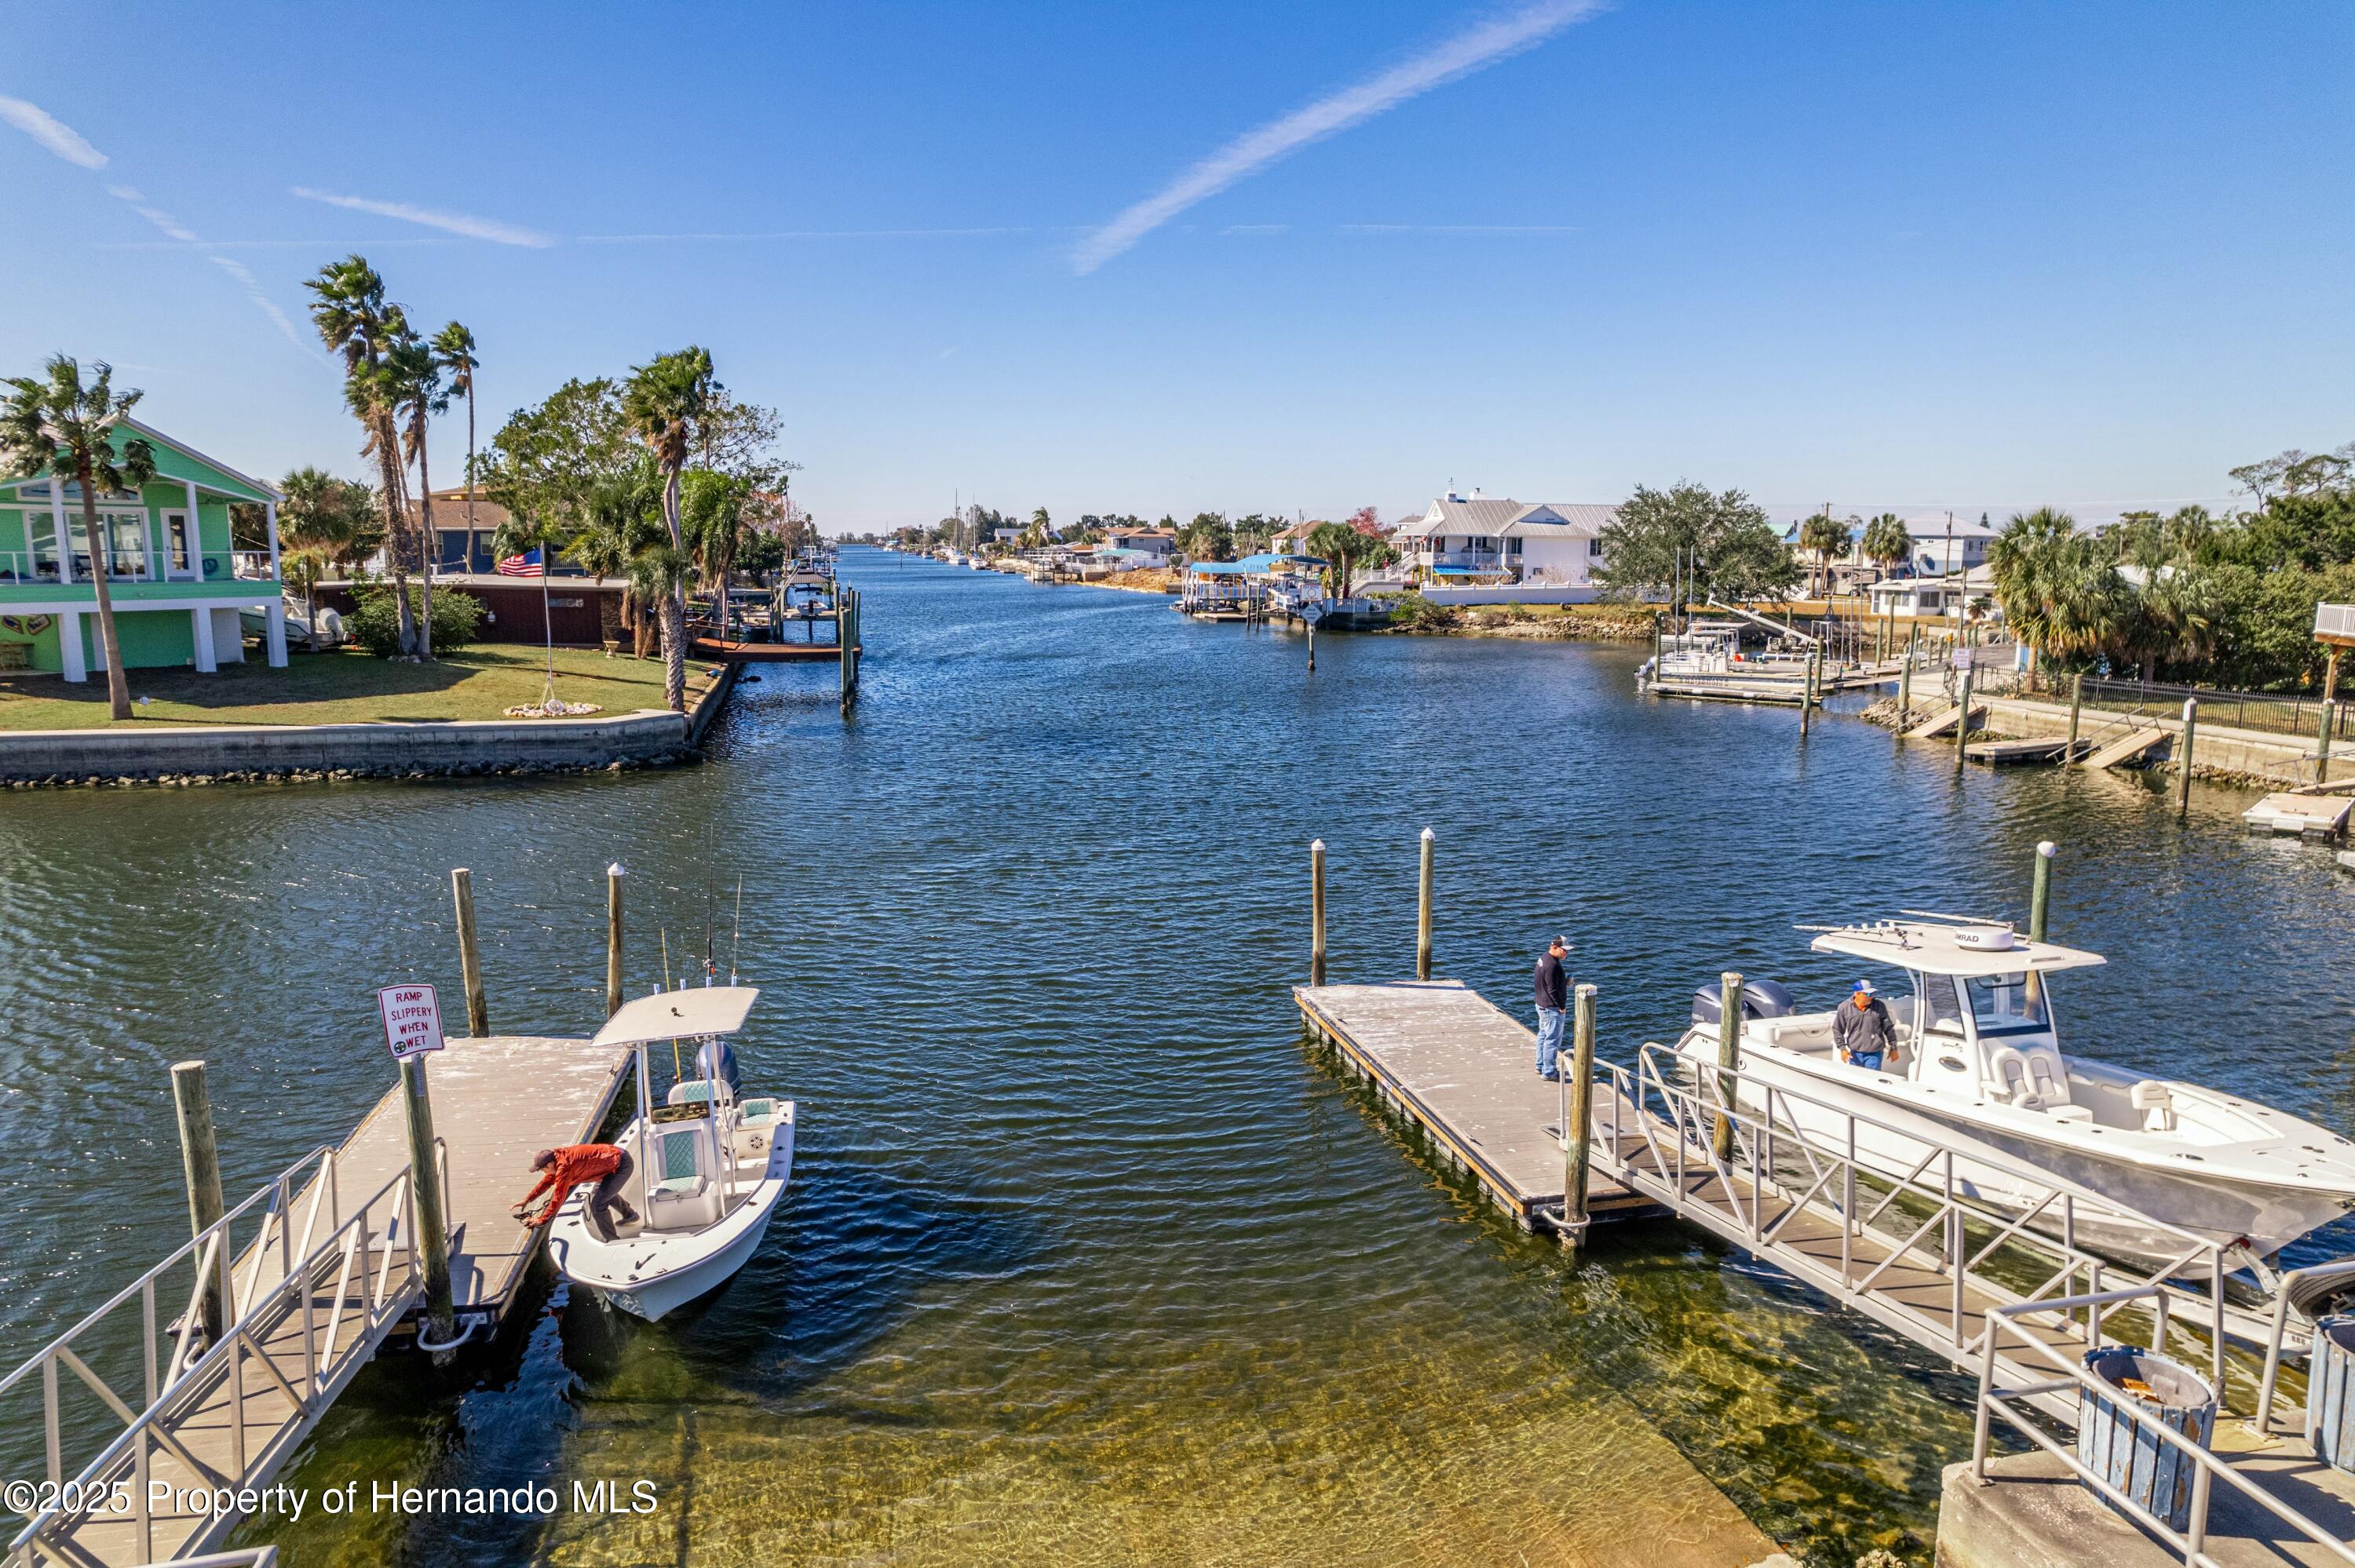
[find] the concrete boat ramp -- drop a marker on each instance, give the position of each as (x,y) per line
(2012,1307)
(314,1271)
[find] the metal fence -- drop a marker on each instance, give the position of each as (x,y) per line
(2268,712)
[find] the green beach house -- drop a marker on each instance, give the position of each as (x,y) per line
(179,588)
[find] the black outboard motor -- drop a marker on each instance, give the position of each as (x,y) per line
(1760,999)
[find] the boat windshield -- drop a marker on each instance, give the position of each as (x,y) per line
(2011,1004)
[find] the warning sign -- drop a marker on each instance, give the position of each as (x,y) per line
(412,1019)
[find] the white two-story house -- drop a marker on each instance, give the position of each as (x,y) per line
(1482,549)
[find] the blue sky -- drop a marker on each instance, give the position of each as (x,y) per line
(1913,256)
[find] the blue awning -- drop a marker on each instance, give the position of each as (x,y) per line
(1268,563)
(1216,569)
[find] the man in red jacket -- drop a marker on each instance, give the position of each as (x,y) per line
(561,1169)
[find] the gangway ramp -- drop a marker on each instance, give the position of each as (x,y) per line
(315,1271)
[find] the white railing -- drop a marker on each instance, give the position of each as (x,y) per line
(1815,1157)
(2073,1382)
(272,1278)
(2334,620)
(138,566)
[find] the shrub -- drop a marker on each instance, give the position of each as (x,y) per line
(375,624)
(1413,612)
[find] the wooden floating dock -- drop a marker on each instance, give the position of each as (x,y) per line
(1450,1062)
(2044,749)
(321,1267)
(2321,816)
(2131,747)
(1943,724)
(735,653)
(496,1101)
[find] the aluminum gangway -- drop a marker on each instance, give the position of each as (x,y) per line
(145,1417)
(1888,1222)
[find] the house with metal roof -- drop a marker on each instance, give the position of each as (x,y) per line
(178,583)
(1546,551)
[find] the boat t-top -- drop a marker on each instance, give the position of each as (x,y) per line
(708,1165)
(1978,1069)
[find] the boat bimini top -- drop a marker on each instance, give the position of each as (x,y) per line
(1948,944)
(679,1015)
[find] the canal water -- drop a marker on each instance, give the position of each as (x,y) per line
(1088,1260)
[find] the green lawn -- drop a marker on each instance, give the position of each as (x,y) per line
(347,687)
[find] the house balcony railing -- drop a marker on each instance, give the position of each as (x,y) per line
(2335,621)
(1470,561)
(40,568)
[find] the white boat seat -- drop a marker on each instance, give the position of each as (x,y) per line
(681,1195)
(694,1092)
(2156,1103)
(760,1110)
(2071,1113)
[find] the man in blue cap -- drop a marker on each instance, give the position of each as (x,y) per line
(1863,1028)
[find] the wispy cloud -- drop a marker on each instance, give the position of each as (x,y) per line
(1460,56)
(1256,229)
(50,133)
(781,234)
(1460,228)
(184,237)
(463,224)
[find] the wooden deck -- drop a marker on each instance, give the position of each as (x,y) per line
(2129,748)
(1464,1072)
(2324,816)
(329,1275)
(496,1101)
(735,653)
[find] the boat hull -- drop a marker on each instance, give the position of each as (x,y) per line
(689,1264)
(2112,1202)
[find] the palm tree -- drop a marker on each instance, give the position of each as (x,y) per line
(453,350)
(1343,550)
(2059,589)
(1887,542)
(618,520)
(664,403)
(318,520)
(66,429)
(350,310)
(1826,537)
(416,383)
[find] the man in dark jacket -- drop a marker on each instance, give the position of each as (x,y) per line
(1553,996)
(1863,1028)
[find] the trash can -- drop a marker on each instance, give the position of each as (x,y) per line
(2149,1469)
(2330,1391)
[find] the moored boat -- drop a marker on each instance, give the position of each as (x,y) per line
(711,1164)
(1977,1067)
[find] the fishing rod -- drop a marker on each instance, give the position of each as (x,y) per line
(676,1070)
(736,938)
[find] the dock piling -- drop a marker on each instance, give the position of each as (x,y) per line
(1729,1057)
(1578,1119)
(1962,724)
(1423,912)
(2322,741)
(613,874)
(2040,898)
(425,1192)
(1905,688)
(2183,786)
(1312,648)
(470,958)
(200,1169)
(1317,913)
(2076,709)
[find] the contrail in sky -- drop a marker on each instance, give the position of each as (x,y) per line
(1253,151)
(51,133)
(458,223)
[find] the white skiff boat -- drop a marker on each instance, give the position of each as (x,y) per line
(709,1165)
(1978,1069)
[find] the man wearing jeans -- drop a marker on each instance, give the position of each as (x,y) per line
(1553,996)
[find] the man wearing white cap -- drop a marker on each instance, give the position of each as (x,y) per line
(1863,1028)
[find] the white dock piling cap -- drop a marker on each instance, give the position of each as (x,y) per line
(2047,848)
(615,869)
(1317,843)
(1429,834)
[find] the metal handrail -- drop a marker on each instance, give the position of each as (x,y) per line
(2341,1269)
(347,1246)
(1691,1111)
(2192,1542)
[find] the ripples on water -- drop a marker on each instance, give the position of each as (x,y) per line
(1088,1261)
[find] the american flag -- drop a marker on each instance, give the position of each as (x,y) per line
(526,565)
